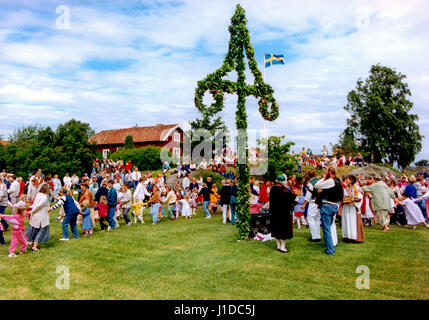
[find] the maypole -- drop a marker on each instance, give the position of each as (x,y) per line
(239,44)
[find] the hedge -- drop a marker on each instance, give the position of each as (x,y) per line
(146,158)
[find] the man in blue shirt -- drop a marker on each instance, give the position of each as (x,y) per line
(112,201)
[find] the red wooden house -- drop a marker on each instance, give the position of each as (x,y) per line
(169,136)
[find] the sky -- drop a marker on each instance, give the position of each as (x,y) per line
(117,64)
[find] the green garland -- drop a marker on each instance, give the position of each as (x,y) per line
(239,44)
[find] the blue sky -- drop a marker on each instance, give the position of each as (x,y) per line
(123,63)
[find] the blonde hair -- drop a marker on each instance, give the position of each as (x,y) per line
(103,199)
(85,204)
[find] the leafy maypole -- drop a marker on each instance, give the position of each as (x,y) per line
(239,44)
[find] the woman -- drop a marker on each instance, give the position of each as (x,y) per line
(126,202)
(38,228)
(3,203)
(155,201)
(87,195)
(282,201)
(351,219)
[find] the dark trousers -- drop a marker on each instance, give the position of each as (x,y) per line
(1,238)
(399,216)
(125,214)
(102,225)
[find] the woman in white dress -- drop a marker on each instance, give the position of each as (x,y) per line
(412,211)
(351,219)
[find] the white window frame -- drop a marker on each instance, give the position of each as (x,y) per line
(176,137)
(118,148)
(176,152)
(105,152)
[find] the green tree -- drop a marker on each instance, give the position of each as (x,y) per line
(279,158)
(239,45)
(129,142)
(215,127)
(380,117)
(65,150)
(422,163)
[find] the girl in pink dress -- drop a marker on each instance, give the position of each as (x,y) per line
(18,231)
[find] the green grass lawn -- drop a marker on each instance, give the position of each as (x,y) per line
(202,259)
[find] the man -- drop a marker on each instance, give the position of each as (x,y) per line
(380,203)
(209,183)
(205,192)
(422,173)
(112,201)
(332,195)
(13,191)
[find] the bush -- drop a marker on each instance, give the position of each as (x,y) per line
(216,177)
(146,158)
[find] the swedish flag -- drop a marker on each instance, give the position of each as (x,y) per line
(271,59)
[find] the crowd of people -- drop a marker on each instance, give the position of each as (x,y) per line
(324,160)
(115,191)
(357,200)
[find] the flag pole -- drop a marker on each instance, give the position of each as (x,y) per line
(263,64)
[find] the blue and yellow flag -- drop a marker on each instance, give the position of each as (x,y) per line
(271,59)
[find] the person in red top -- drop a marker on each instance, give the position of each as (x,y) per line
(263,193)
(21,186)
(128,166)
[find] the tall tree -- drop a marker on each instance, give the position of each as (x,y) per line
(239,45)
(380,117)
(129,142)
(279,158)
(217,129)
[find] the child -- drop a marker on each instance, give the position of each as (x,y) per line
(366,209)
(18,231)
(117,213)
(412,211)
(138,211)
(102,212)
(193,200)
(186,192)
(186,209)
(163,195)
(71,211)
(214,198)
(298,210)
(86,219)
(178,198)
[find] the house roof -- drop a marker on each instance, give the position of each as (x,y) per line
(5,143)
(159,132)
